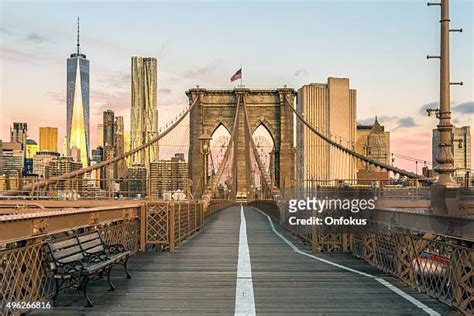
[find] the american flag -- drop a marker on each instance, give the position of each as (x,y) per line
(236,76)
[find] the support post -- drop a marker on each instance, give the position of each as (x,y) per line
(143,226)
(171,223)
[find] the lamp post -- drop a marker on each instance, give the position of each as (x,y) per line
(444,192)
(205,149)
(445,158)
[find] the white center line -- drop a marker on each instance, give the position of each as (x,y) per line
(244,300)
(385,283)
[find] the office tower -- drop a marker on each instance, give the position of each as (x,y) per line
(109,132)
(126,147)
(48,139)
(108,123)
(41,163)
(373,142)
(12,159)
(61,165)
(19,133)
(136,181)
(97,154)
(77,131)
(120,146)
(31,148)
(461,149)
(168,176)
(64,149)
(100,135)
(11,165)
(331,108)
(144,113)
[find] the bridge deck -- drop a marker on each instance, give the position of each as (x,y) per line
(200,278)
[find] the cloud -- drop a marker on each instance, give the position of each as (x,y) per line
(406,122)
(301,72)
(165,91)
(464,108)
(431,105)
(6,31)
(102,100)
(202,71)
(119,80)
(58,96)
(35,38)
(15,55)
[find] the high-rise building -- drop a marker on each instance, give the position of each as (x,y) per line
(48,139)
(19,133)
(11,159)
(372,141)
(119,142)
(144,113)
(64,149)
(41,163)
(109,132)
(136,181)
(61,165)
(98,154)
(331,108)
(77,131)
(461,149)
(168,176)
(31,148)
(100,135)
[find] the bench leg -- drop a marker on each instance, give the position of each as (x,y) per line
(112,287)
(126,270)
(56,291)
(84,290)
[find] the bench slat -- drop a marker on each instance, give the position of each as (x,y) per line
(67,252)
(76,257)
(63,244)
(91,244)
(86,238)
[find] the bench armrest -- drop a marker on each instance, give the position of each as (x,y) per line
(95,257)
(115,248)
(73,267)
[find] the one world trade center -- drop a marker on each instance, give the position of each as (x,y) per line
(78,105)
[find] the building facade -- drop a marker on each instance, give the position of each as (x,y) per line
(77,98)
(41,163)
(136,181)
(119,141)
(144,113)
(461,149)
(61,165)
(31,148)
(48,139)
(168,176)
(331,108)
(100,135)
(373,142)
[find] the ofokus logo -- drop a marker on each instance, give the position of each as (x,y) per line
(329,211)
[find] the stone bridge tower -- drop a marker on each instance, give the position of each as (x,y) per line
(264,107)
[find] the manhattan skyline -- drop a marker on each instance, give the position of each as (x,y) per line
(204,44)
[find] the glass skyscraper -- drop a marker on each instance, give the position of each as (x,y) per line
(78,105)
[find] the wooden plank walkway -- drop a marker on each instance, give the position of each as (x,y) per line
(200,279)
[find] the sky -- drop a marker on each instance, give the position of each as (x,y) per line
(381,46)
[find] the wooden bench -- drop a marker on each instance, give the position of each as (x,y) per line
(78,259)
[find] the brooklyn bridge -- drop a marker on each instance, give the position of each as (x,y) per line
(231,247)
